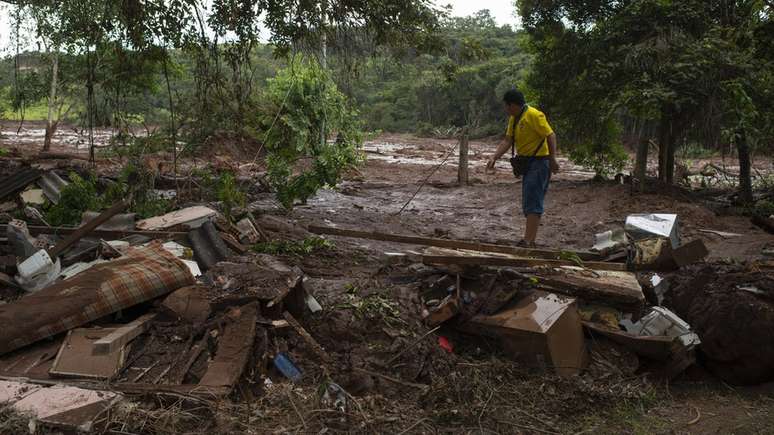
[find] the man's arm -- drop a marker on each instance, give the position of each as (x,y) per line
(501,149)
(552,153)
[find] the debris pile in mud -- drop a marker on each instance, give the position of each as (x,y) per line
(267,326)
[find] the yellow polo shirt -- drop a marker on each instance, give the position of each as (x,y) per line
(532,131)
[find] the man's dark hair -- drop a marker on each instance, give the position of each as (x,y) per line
(514,96)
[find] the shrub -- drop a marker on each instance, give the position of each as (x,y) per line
(298,102)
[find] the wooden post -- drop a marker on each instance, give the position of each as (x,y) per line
(641,164)
(462,174)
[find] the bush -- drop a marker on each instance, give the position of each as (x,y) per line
(77,197)
(603,159)
(298,102)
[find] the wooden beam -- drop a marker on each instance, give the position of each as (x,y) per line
(453,244)
(103,234)
(109,343)
(483,260)
(84,230)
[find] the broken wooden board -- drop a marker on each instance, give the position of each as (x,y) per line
(192,217)
(76,358)
(234,348)
(453,244)
(122,335)
(310,341)
(61,406)
(658,348)
(477,258)
(32,361)
(617,289)
(190,304)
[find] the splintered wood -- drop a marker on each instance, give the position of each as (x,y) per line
(234,348)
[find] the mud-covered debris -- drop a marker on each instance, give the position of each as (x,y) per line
(141,275)
(188,304)
(541,330)
(640,226)
(60,406)
(732,323)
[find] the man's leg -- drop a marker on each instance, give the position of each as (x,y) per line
(530,232)
(534,187)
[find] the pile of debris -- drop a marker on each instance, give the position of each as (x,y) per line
(537,303)
(78,304)
(179,305)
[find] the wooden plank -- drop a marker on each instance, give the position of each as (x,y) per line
(75,357)
(618,289)
(310,341)
(122,335)
(453,244)
(103,234)
(234,349)
(484,260)
(84,230)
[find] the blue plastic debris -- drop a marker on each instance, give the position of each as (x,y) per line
(287,367)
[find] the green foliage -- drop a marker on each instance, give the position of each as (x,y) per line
(764,208)
(373,307)
(695,67)
(77,197)
(605,155)
(299,101)
(229,194)
(307,246)
(462,84)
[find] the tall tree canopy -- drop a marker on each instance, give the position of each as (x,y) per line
(697,68)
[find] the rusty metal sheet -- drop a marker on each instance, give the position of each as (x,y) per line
(18,181)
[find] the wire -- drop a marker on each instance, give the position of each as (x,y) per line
(427,178)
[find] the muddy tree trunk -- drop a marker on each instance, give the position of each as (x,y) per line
(641,163)
(50,123)
(745,178)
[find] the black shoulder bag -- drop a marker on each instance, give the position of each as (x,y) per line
(520,164)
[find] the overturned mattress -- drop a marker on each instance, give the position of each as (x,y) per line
(142,274)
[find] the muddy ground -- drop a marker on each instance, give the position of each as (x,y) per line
(371,313)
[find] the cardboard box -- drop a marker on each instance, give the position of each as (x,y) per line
(540,330)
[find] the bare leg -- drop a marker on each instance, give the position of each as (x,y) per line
(530,232)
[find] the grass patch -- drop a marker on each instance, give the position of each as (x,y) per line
(307,246)
(35,112)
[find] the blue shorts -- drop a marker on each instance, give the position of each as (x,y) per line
(534,185)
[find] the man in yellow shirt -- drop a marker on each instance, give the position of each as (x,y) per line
(531,136)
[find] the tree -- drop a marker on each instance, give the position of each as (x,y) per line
(667,61)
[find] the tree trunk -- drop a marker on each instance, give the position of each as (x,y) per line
(665,128)
(641,163)
(745,179)
(670,156)
(50,124)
